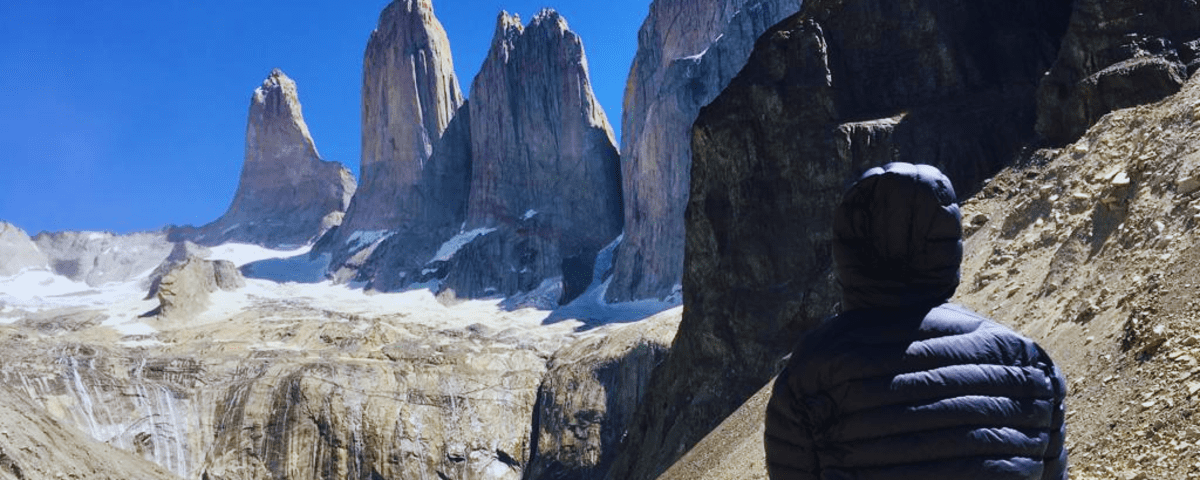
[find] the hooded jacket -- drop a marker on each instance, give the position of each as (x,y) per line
(903,385)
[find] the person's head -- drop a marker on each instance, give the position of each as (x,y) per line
(898,238)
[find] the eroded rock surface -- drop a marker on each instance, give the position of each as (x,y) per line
(839,87)
(589,395)
(688,51)
(286,195)
(184,288)
(98,258)
(410,94)
(545,182)
(18,253)
(1117,54)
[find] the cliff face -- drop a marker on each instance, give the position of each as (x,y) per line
(828,92)
(1117,54)
(687,53)
(545,181)
(409,95)
(20,253)
(286,195)
(98,258)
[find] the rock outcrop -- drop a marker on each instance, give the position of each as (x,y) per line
(688,52)
(1117,54)
(589,395)
(98,258)
(184,289)
(36,446)
(410,94)
(18,253)
(839,87)
(286,195)
(545,182)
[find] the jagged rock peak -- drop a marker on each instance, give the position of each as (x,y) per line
(18,252)
(410,93)
(287,194)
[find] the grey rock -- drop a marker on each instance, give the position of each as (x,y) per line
(545,171)
(688,52)
(410,94)
(286,195)
(184,290)
(18,253)
(589,395)
(98,258)
(1117,54)
(945,83)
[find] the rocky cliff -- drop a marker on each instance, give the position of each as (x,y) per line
(545,181)
(1117,54)
(97,258)
(409,96)
(286,195)
(836,88)
(687,53)
(20,253)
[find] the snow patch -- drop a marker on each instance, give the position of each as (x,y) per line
(364,238)
(529,214)
(455,243)
(243,253)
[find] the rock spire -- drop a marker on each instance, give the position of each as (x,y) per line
(286,195)
(409,95)
(687,53)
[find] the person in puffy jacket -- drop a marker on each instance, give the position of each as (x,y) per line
(902,384)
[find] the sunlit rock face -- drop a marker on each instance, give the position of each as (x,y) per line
(835,89)
(19,252)
(98,258)
(545,181)
(688,51)
(410,93)
(286,195)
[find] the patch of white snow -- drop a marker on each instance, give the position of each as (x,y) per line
(455,243)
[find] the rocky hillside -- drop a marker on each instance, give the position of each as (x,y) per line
(688,52)
(286,195)
(821,99)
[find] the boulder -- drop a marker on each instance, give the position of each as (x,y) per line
(839,87)
(287,195)
(183,291)
(687,53)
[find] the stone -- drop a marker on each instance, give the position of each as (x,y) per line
(687,53)
(18,253)
(410,94)
(589,394)
(545,172)
(1189,184)
(287,195)
(184,290)
(1116,54)
(773,153)
(97,258)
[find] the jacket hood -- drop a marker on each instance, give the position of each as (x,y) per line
(898,238)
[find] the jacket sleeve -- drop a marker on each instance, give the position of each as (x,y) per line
(788,437)
(1055,460)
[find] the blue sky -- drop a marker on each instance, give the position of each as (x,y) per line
(130,115)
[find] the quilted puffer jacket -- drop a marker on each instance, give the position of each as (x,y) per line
(903,385)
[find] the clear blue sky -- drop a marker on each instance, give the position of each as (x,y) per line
(130,115)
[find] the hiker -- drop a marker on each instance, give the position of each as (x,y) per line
(902,384)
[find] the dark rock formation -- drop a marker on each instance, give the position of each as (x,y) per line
(688,52)
(18,253)
(590,393)
(287,195)
(410,94)
(837,88)
(545,180)
(1117,54)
